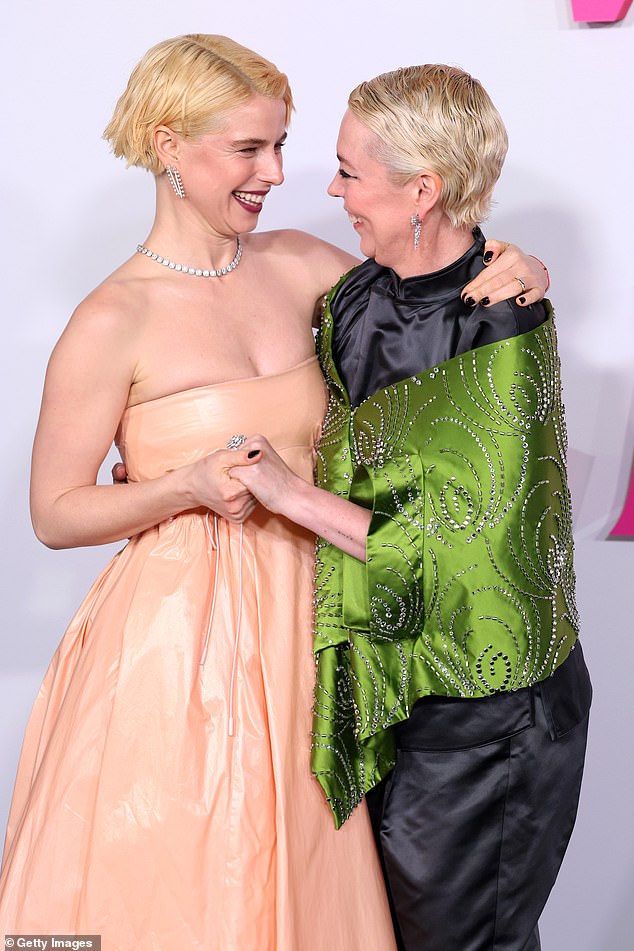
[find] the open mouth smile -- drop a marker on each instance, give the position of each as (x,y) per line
(250,201)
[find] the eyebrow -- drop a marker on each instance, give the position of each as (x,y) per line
(343,160)
(253,143)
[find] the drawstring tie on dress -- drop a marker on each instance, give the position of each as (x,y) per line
(213,538)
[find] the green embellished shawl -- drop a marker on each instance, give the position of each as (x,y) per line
(469,585)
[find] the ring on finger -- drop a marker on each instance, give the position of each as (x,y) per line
(236,441)
(521,283)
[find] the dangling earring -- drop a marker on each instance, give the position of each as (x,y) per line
(175,180)
(416,221)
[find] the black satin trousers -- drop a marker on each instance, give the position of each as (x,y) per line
(474,820)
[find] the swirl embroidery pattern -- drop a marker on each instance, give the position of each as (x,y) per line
(469,585)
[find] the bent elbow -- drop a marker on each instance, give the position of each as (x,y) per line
(48,538)
(45,532)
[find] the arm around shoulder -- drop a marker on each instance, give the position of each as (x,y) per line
(322,263)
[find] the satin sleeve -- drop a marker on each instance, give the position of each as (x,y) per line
(498,322)
(384,596)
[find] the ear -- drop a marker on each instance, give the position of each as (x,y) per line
(166,145)
(428,188)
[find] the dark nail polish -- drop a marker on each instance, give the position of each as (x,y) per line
(485,301)
(469,301)
(253,454)
(487,256)
(522,300)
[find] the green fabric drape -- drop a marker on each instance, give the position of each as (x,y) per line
(469,585)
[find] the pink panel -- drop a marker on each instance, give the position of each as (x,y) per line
(625,525)
(599,11)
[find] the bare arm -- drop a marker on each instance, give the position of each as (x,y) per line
(334,263)
(505,263)
(319,263)
(280,490)
(85,393)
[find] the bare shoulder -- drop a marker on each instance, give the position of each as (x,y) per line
(320,262)
(105,325)
(117,304)
(295,243)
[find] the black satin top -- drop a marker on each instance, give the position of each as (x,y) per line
(386,329)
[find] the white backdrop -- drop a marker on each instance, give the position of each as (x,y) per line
(71,213)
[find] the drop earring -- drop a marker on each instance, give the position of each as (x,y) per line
(175,180)
(416,222)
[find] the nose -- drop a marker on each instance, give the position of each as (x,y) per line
(271,168)
(334,189)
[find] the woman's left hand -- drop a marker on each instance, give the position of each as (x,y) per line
(283,492)
(269,479)
(507,269)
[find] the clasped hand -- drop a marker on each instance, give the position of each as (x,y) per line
(214,486)
(265,474)
(232,482)
(208,483)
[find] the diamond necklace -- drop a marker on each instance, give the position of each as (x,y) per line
(197,271)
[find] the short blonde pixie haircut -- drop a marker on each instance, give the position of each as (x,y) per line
(188,84)
(438,118)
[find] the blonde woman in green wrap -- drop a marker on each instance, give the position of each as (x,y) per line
(452,691)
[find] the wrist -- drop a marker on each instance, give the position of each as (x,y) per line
(535,258)
(297,502)
(180,488)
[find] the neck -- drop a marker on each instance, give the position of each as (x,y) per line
(441,244)
(180,234)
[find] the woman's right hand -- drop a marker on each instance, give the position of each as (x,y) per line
(210,485)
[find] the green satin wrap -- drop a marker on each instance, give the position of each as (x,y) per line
(469,585)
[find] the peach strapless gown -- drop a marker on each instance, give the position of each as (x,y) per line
(136,815)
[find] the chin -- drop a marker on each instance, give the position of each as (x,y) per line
(250,225)
(381,259)
(366,248)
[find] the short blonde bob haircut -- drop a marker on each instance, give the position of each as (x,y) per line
(188,84)
(441,119)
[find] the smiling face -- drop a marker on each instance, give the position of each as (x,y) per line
(380,209)
(228,174)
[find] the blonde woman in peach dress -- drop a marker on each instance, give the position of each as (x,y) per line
(164,798)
